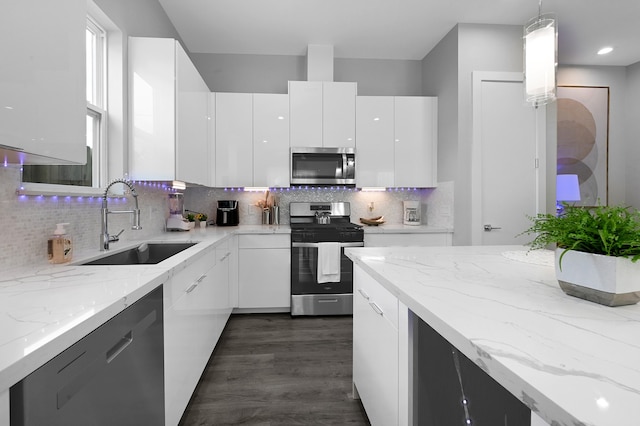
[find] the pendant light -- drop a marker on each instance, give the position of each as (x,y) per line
(540,58)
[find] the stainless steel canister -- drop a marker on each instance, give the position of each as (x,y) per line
(275,215)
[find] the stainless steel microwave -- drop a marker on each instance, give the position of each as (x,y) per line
(323,166)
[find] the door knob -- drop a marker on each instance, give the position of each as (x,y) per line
(489,228)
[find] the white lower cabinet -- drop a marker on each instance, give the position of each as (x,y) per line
(196,306)
(407,239)
(222,301)
(380,355)
(264,271)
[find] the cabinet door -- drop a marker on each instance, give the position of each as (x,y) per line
(221,296)
(264,278)
(416,134)
(338,114)
(211,138)
(264,271)
(189,333)
(153,105)
(192,150)
(375,349)
(234,139)
(375,147)
(270,140)
(42,81)
(305,101)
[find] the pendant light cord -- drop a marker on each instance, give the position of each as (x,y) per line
(539,8)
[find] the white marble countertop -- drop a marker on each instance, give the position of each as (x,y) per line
(573,362)
(46,308)
(394,228)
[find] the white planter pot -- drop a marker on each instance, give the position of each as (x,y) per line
(607,280)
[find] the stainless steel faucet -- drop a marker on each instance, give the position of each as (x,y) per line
(105,238)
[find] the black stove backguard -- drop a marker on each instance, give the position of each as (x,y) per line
(308,296)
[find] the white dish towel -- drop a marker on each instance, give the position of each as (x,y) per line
(328,262)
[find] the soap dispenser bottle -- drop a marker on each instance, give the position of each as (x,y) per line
(59,246)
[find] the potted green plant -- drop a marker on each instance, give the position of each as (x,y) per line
(191,218)
(596,251)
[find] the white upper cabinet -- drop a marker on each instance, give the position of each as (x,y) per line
(322,114)
(43,103)
(234,139)
(397,141)
(375,148)
(192,115)
(211,139)
(169,111)
(416,140)
(270,140)
(305,100)
(338,114)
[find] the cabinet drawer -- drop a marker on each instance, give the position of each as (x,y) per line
(187,277)
(264,241)
(379,299)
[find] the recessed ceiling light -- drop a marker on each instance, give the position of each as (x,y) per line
(605,50)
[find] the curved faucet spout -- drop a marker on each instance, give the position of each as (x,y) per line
(105,238)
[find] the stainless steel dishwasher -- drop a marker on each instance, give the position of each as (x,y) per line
(113,376)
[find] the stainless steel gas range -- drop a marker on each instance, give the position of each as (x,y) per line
(321,274)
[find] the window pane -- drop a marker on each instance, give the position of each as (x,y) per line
(91,66)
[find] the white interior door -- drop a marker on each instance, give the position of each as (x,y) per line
(508,154)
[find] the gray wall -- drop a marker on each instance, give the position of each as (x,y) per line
(473,47)
(378,77)
(271,73)
(139,17)
(440,78)
(632,118)
(249,73)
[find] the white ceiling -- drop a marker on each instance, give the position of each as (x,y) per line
(397,29)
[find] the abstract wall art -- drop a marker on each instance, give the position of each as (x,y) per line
(583,134)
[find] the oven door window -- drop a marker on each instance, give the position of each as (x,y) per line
(304,270)
(317,166)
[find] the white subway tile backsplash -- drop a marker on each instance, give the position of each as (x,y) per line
(27,221)
(387,203)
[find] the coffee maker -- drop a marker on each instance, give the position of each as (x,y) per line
(412,212)
(227,213)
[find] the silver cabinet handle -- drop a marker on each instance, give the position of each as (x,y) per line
(225,256)
(195,284)
(119,347)
(296,245)
(362,292)
(376,308)
(489,228)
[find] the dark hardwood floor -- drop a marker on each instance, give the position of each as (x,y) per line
(271,369)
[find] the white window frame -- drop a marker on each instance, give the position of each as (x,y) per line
(99,107)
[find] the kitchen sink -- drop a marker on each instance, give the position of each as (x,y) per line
(144,254)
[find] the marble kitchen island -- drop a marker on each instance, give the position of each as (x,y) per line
(572,362)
